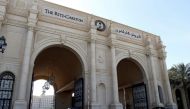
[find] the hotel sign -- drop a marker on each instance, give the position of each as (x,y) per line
(128,33)
(63,15)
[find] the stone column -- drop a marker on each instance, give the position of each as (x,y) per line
(92,33)
(26,64)
(21,101)
(170,103)
(155,83)
(153,78)
(114,77)
(93,72)
(116,104)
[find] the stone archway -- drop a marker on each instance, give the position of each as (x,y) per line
(131,84)
(65,66)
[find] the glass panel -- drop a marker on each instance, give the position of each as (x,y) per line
(5,104)
(1,104)
(9,95)
(2,84)
(10,85)
(4,94)
(7,77)
(6,84)
(1,94)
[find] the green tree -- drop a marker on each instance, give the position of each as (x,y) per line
(180,75)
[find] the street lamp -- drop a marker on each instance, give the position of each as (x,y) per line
(3,44)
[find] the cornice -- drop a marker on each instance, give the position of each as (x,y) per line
(59,32)
(141,50)
(129,40)
(131,49)
(17,11)
(16,20)
(17,24)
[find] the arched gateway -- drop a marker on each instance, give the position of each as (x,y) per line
(132,84)
(62,68)
(92,62)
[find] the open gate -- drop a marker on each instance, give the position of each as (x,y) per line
(78,100)
(140,97)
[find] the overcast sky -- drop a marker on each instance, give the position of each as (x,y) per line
(170,19)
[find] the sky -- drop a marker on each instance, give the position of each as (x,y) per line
(169,19)
(38,88)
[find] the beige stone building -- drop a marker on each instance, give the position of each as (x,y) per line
(106,65)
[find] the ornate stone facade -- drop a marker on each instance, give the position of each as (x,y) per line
(31,27)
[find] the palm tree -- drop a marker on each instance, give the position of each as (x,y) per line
(180,75)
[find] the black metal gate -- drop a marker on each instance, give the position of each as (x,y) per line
(139,96)
(6,89)
(78,101)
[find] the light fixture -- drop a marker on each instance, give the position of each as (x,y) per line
(50,81)
(3,44)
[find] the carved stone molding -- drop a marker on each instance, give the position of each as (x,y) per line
(162,55)
(101,59)
(3,5)
(63,39)
(56,41)
(21,4)
(112,42)
(141,60)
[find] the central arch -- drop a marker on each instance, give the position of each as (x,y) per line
(66,67)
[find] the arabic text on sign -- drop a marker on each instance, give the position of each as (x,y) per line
(132,35)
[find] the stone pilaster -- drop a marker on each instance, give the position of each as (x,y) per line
(21,102)
(92,33)
(152,70)
(162,56)
(115,104)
